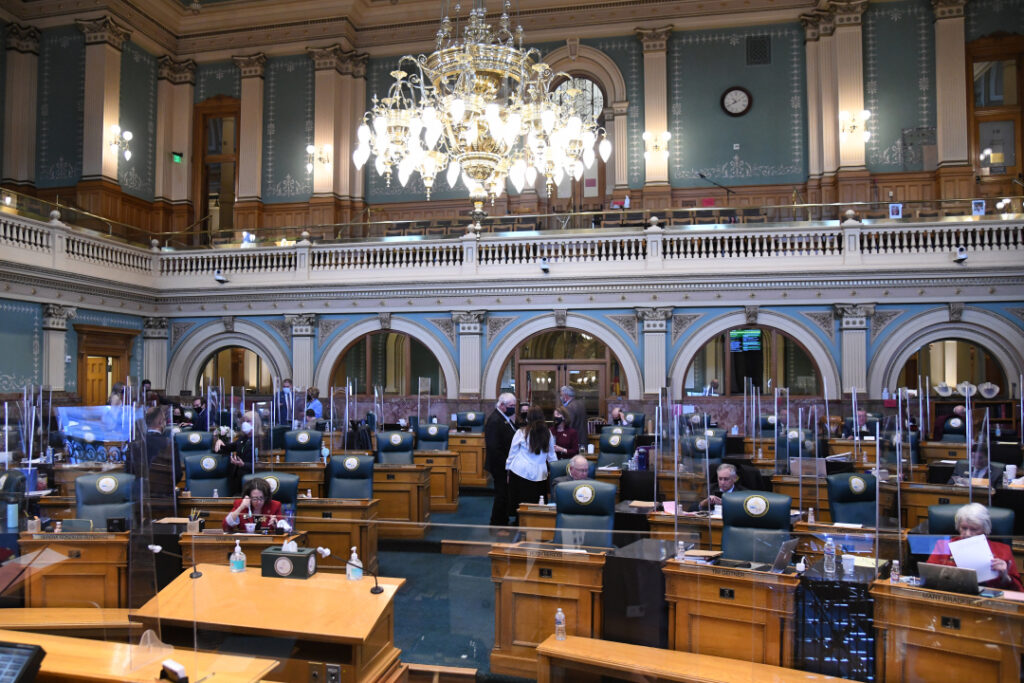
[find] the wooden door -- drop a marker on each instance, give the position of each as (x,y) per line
(95,389)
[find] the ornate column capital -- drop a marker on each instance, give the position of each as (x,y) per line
(654,39)
(154,328)
(56,316)
(469,322)
(654,319)
(103,30)
(21,38)
(302,324)
(326,58)
(847,12)
(353,64)
(251,66)
(177,72)
(948,9)
(812,26)
(854,316)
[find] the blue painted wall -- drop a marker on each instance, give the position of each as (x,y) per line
(771,136)
(287,129)
(983,17)
(899,84)
(137,113)
(21,338)
(60,107)
(217,78)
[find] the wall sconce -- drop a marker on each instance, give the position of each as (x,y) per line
(320,155)
(119,141)
(851,124)
(656,143)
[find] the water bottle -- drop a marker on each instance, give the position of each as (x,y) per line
(894,572)
(541,501)
(215,494)
(830,555)
(559,624)
(57,527)
(810,516)
(309,493)
(680,550)
(999,431)
(237,559)
(354,568)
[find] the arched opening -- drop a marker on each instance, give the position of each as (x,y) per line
(396,362)
(235,366)
(761,353)
(548,360)
(953,361)
(587,192)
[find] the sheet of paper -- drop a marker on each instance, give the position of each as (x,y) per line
(669,506)
(848,525)
(974,553)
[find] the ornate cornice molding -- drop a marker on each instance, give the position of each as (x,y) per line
(104,30)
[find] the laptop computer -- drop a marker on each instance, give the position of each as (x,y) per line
(778,566)
(943,577)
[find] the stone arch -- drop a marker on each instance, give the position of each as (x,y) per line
(817,350)
(422,334)
(545,323)
(1003,339)
(188,359)
(594,64)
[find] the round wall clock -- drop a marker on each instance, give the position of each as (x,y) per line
(736,101)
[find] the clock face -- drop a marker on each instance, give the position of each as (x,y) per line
(736,101)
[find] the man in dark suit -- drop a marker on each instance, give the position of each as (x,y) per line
(499,428)
(577,414)
(578,469)
(728,481)
(163,474)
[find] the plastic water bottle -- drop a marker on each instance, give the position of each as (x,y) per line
(237,559)
(810,516)
(541,501)
(354,568)
(559,624)
(894,572)
(309,493)
(216,494)
(830,555)
(680,550)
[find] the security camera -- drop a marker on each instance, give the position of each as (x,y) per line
(960,256)
(219,276)
(544,265)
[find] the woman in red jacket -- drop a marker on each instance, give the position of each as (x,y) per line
(972,520)
(567,441)
(254,507)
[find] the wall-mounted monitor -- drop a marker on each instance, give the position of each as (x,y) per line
(744,340)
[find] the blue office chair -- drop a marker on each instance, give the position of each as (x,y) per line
(755,524)
(302,445)
(851,498)
(394,448)
(470,421)
(12,486)
(636,420)
(615,449)
(560,468)
(995,478)
(694,423)
(618,429)
(942,520)
(108,495)
(192,443)
(585,513)
(699,446)
(766,425)
(349,476)
(204,473)
(371,421)
(868,429)
(795,443)
(432,437)
(284,486)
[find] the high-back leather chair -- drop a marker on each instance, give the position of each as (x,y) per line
(694,423)
(103,496)
(12,486)
(560,468)
(851,498)
(766,425)
(394,448)
(349,476)
(942,520)
(754,525)
(636,420)
(870,427)
(302,445)
(192,443)
(206,472)
(617,429)
(371,421)
(284,486)
(585,513)
(470,421)
(995,477)
(795,443)
(615,449)
(954,429)
(699,446)
(432,437)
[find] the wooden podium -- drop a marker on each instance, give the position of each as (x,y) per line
(927,635)
(91,569)
(404,494)
(444,478)
(324,621)
(339,524)
(531,581)
(471,451)
(736,613)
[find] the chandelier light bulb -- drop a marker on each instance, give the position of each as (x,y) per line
(588,156)
(310,149)
(127,135)
(604,148)
(115,129)
(531,176)
(454,169)
(457,110)
(127,154)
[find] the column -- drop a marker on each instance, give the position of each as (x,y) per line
(470,329)
(174,97)
(154,351)
(829,112)
(20,84)
(812,56)
(250,134)
(655,42)
(303,328)
(356,65)
(955,169)
(55,329)
(655,328)
(328,108)
(618,133)
(849,56)
(854,344)
(104,39)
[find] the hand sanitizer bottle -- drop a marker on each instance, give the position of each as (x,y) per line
(354,568)
(237,559)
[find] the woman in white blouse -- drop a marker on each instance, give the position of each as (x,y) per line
(533,446)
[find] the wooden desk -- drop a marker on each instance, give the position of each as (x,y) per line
(404,494)
(94,573)
(765,444)
(471,451)
(311,474)
(57,507)
(815,492)
(537,521)
(942,450)
(327,619)
(78,622)
(856,541)
(704,532)
(339,524)
(915,498)
(531,582)
(64,474)
(216,548)
(444,478)
(735,613)
(926,635)
(582,656)
(78,660)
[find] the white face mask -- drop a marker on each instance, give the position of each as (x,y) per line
(287,390)
(246,427)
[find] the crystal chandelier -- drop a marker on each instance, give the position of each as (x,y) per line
(482,107)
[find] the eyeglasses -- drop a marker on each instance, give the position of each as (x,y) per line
(252,497)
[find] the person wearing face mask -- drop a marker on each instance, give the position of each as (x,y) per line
(577,413)
(499,428)
(240,450)
(313,402)
(567,443)
(285,403)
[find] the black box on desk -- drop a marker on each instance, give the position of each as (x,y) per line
(635,610)
(296,564)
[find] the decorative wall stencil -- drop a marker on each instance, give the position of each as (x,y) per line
(629,325)
(327,325)
(880,320)
(823,320)
(217,78)
(984,17)
(701,66)
(59,118)
(627,53)
(446,325)
(178,332)
(899,84)
(495,325)
(21,339)
(137,113)
(280,326)
(287,129)
(1019,312)
(681,322)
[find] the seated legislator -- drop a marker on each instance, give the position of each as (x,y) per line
(579,468)
(567,441)
(254,507)
(971,520)
(240,449)
(728,481)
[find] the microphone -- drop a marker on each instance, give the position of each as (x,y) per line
(376,590)
(157,549)
(728,191)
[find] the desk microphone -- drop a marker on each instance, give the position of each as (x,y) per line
(157,549)
(376,590)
